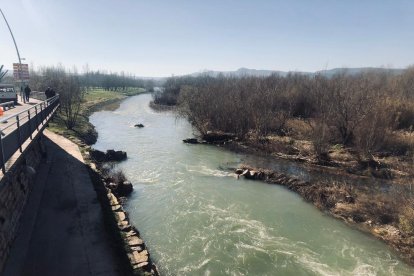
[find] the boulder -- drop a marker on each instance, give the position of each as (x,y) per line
(190,141)
(97,155)
(250,174)
(113,201)
(116,208)
(134,241)
(239,171)
(124,188)
(138,257)
(112,186)
(139,125)
(218,137)
(124,226)
(121,216)
(112,155)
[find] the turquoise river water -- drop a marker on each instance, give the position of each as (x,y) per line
(198,219)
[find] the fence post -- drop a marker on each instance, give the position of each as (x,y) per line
(37,118)
(30,124)
(3,165)
(18,133)
(42,115)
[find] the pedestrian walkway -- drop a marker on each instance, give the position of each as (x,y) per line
(20,107)
(62,230)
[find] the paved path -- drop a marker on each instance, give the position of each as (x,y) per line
(20,107)
(10,124)
(62,231)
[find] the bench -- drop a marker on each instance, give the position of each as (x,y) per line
(7,104)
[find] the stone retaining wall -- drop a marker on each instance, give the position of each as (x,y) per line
(15,186)
(137,252)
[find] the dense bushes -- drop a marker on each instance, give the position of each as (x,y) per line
(358,110)
(173,86)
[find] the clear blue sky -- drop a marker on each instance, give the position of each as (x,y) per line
(161,38)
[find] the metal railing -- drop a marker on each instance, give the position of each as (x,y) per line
(17,128)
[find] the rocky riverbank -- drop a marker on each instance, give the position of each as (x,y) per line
(339,160)
(127,240)
(111,190)
(379,214)
(114,189)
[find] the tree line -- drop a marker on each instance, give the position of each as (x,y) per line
(72,86)
(357,110)
(95,79)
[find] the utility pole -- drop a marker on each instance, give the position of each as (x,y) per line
(18,55)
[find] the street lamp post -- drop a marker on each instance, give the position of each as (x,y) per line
(18,55)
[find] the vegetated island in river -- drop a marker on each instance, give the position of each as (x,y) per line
(357,125)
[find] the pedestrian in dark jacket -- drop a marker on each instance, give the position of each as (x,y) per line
(50,93)
(27,91)
(47,93)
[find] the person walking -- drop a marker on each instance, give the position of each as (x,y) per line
(47,93)
(27,91)
(50,93)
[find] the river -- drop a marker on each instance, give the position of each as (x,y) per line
(198,219)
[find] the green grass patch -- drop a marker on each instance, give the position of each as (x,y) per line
(99,94)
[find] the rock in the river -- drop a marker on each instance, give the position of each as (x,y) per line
(124,188)
(119,155)
(139,125)
(110,155)
(239,171)
(218,137)
(251,175)
(113,186)
(190,141)
(97,155)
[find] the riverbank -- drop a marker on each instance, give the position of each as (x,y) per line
(129,247)
(378,214)
(339,160)
(161,107)
(387,215)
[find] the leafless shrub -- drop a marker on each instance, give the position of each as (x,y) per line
(406,218)
(356,110)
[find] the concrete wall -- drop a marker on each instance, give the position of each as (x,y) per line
(14,189)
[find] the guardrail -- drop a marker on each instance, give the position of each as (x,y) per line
(21,126)
(7,104)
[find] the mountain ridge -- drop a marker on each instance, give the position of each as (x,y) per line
(243,71)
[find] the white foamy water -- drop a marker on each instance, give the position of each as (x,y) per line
(198,219)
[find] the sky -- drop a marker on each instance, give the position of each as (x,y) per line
(157,38)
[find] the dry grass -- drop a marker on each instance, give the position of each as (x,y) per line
(299,128)
(378,208)
(400,143)
(406,217)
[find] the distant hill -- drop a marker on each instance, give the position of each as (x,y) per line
(264,73)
